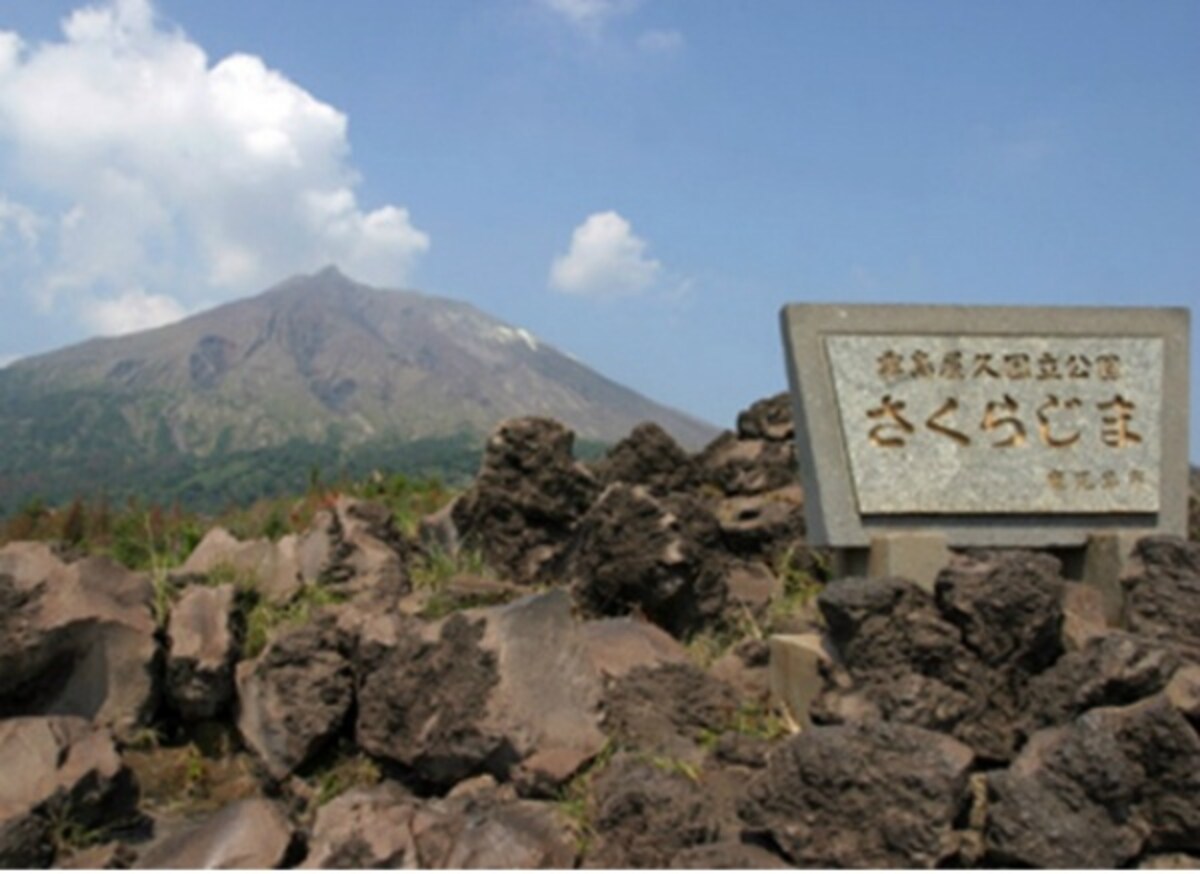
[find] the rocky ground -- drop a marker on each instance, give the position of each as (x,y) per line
(567,666)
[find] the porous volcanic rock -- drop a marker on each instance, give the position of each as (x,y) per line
(76,639)
(768,419)
(657,556)
(296,696)
(644,815)
(56,766)
(1162,598)
(762,525)
(252,833)
(202,651)
(617,646)
(664,710)
(365,828)
(525,501)
(492,829)
(870,795)
(1098,792)
(649,457)
(367,556)
(484,691)
(1115,669)
(746,467)
(958,662)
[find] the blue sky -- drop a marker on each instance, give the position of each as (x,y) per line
(642,184)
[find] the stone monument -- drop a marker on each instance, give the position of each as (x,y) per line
(921,428)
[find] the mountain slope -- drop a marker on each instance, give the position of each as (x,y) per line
(317,361)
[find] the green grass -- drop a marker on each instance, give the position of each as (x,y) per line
(264,619)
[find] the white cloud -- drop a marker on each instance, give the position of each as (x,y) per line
(589,16)
(606,259)
(660,42)
(168,173)
(134,310)
(18,221)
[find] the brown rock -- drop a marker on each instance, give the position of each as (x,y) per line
(1097,792)
(489,830)
(649,457)
(202,651)
(617,646)
(1162,597)
(747,467)
(253,833)
(525,501)
(768,419)
(295,697)
(637,553)
(871,795)
(763,524)
(481,692)
(76,639)
(365,828)
(56,766)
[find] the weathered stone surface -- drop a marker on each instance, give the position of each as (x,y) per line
(295,697)
(665,709)
(634,552)
(958,662)
(746,467)
(763,524)
(367,555)
(1099,791)
(272,568)
(1084,618)
(617,646)
(202,651)
(253,833)
(726,855)
(483,691)
(644,816)
(491,830)
(798,664)
(768,419)
(872,795)
(1170,862)
(365,828)
(1162,601)
(1184,692)
(649,457)
(528,495)
(1116,669)
(56,766)
(113,855)
(76,639)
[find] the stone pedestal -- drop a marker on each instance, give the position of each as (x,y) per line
(795,673)
(915,555)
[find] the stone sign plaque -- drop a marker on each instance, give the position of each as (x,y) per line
(1015,426)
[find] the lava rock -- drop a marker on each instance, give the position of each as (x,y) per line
(525,501)
(870,795)
(252,833)
(365,828)
(77,639)
(649,457)
(1098,792)
(202,651)
(768,419)
(489,829)
(57,766)
(644,815)
(295,697)
(746,467)
(1162,601)
(634,552)
(484,691)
